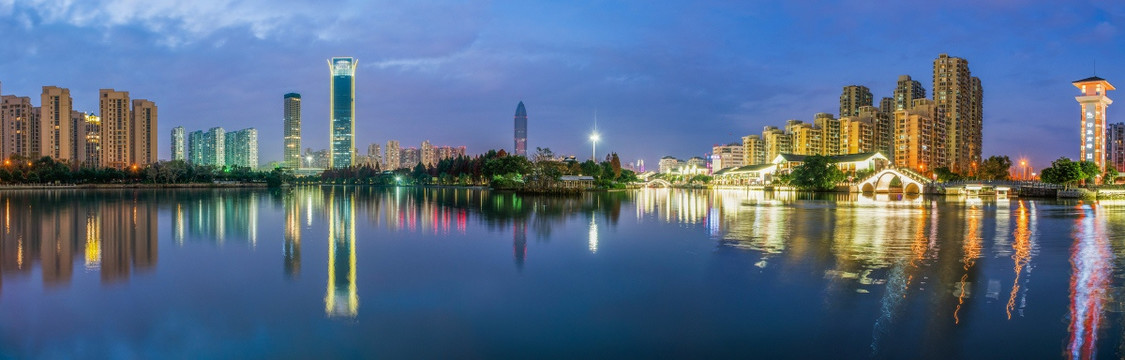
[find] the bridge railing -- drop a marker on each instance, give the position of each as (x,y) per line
(994,183)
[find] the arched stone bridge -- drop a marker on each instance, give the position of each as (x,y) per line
(880,182)
(658,183)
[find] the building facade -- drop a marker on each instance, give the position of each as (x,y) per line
(725,156)
(520,145)
(292,109)
(753,150)
(958,97)
(1094,101)
(852,98)
(241,148)
(906,91)
(341,108)
(179,144)
(1115,146)
(393,157)
(208,147)
(18,117)
(920,137)
(143,133)
(116,118)
(55,124)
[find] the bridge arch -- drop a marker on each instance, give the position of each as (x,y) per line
(880,182)
(658,183)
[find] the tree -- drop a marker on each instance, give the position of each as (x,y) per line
(1063,172)
(946,175)
(1090,171)
(591,168)
(616,164)
(1111,175)
(995,168)
(816,173)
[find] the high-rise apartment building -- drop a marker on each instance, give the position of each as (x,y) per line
(86,129)
(393,157)
(241,148)
(116,128)
(958,96)
(143,133)
(776,142)
(887,107)
(375,156)
(521,130)
(208,148)
(1094,102)
(341,106)
(55,124)
(919,137)
(729,155)
(805,138)
(411,157)
(1115,146)
(852,98)
(906,91)
(429,156)
(857,135)
(292,155)
(753,150)
(179,144)
(18,117)
(829,133)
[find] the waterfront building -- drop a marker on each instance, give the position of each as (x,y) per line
(520,146)
(393,157)
(727,156)
(1115,146)
(55,124)
(341,107)
(179,144)
(754,149)
(958,98)
(86,129)
(806,137)
(411,157)
(776,141)
(919,137)
(292,129)
(143,134)
(18,116)
(429,157)
(757,174)
(1094,101)
(241,148)
(316,159)
(852,98)
(208,148)
(667,164)
(375,156)
(847,163)
(856,135)
(906,91)
(697,162)
(116,130)
(829,132)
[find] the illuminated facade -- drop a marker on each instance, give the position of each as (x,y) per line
(521,130)
(852,98)
(1094,103)
(341,298)
(776,141)
(958,96)
(87,139)
(208,148)
(143,133)
(727,156)
(393,156)
(920,138)
(292,156)
(906,91)
(341,151)
(1115,146)
(829,132)
(116,129)
(806,138)
(18,117)
(754,149)
(54,124)
(179,144)
(241,148)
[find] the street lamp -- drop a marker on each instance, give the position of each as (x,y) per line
(594,137)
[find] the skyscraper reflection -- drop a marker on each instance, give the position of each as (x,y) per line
(1091,267)
(342,298)
(291,249)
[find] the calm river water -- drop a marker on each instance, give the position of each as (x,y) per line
(456,273)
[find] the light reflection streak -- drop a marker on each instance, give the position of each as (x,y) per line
(593,242)
(1091,260)
(1022,247)
(971,248)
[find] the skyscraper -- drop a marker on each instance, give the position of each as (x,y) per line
(830,132)
(143,134)
(853,97)
(906,91)
(341,107)
(88,140)
(393,158)
(754,150)
(521,130)
(919,136)
(179,149)
(54,124)
(241,148)
(292,156)
(116,129)
(958,96)
(429,157)
(18,116)
(208,148)
(1115,146)
(1094,103)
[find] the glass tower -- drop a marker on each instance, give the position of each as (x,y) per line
(521,130)
(292,130)
(341,108)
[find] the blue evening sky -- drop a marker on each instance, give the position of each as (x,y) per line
(666,77)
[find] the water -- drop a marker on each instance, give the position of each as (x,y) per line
(443,273)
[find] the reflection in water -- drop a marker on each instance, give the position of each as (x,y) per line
(217,216)
(1090,260)
(1022,246)
(342,298)
(291,249)
(593,242)
(971,248)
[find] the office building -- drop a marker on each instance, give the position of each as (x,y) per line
(179,144)
(1094,101)
(852,98)
(292,155)
(116,119)
(143,133)
(54,125)
(958,97)
(521,130)
(341,107)
(241,148)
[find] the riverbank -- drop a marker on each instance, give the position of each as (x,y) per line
(131,186)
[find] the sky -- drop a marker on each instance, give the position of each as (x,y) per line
(664,77)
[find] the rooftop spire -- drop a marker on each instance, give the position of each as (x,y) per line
(520,111)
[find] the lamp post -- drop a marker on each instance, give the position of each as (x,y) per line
(1023,170)
(594,148)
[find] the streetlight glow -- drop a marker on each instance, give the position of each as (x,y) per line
(594,137)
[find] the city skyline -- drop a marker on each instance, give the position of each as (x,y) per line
(455,83)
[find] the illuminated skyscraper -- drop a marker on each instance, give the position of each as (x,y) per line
(208,148)
(87,139)
(292,156)
(116,129)
(18,117)
(853,97)
(393,157)
(179,149)
(1094,103)
(341,108)
(54,124)
(1115,146)
(143,135)
(958,96)
(521,130)
(241,148)
(906,91)
(341,298)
